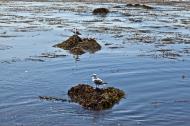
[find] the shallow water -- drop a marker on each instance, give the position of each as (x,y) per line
(153,73)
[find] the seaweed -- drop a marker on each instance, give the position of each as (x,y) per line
(140,6)
(51,98)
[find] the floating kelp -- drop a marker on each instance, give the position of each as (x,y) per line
(51,98)
(140,6)
(167,41)
(101,11)
(95,99)
(51,55)
(79,46)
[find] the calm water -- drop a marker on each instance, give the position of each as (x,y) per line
(156,83)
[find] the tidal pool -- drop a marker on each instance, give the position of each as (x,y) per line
(145,52)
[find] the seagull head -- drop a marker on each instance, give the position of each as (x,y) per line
(94,75)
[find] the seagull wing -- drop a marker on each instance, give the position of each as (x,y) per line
(98,81)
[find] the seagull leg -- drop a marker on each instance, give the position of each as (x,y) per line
(97,86)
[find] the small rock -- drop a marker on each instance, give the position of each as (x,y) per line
(79,46)
(102,11)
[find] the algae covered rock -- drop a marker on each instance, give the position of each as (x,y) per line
(69,43)
(101,11)
(79,46)
(95,99)
(77,51)
(90,45)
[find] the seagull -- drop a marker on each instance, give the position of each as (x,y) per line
(97,80)
(76,31)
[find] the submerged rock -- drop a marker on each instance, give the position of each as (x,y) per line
(102,11)
(79,46)
(95,99)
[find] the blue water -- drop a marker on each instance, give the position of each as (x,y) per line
(157,88)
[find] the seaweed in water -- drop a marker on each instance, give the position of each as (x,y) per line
(140,6)
(51,98)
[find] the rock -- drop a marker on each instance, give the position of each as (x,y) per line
(77,51)
(95,99)
(136,5)
(90,45)
(69,43)
(101,11)
(146,6)
(79,46)
(129,5)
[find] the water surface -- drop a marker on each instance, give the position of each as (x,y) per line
(135,58)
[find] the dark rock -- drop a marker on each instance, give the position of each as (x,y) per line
(103,11)
(129,5)
(77,51)
(79,46)
(90,45)
(136,5)
(69,43)
(95,99)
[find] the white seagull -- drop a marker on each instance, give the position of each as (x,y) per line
(97,80)
(76,31)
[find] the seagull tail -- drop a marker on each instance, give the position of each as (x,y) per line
(104,83)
